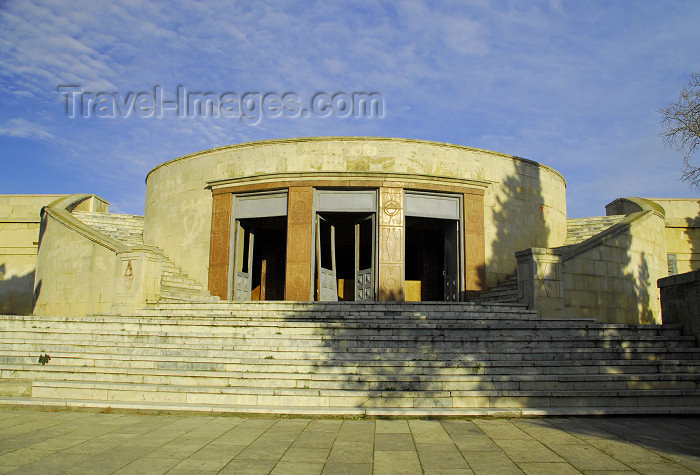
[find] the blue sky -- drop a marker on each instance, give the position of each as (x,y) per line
(575,85)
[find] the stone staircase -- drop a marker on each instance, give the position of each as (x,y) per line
(423,359)
(580,229)
(505,291)
(125,228)
(175,284)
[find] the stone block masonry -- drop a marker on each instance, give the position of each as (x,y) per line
(680,301)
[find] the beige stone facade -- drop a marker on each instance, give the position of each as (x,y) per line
(19,241)
(357,218)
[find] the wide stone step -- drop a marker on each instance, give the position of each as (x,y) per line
(347,326)
(466,322)
(68,342)
(336,363)
(222,311)
(349,307)
(349,338)
(371,369)
(213,345)
(351,348)
(370,381)
(358,398)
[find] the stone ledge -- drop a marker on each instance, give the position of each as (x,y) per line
(679,279)
(370,412)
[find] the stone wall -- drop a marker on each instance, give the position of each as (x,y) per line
(680,301)
(524,205)
(612,277)
(682,232)
(75,267)
(609,277)
(19,236)
(74,275)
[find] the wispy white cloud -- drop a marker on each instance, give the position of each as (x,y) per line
(22,128)
(564,83)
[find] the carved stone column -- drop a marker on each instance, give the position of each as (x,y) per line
(391,245)
(299,227)
(474,243)
(220,245)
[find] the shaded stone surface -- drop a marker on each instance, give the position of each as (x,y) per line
(36,441)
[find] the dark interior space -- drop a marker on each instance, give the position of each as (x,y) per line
(269,256)
(425,257)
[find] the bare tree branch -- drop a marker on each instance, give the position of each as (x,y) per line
(681,123)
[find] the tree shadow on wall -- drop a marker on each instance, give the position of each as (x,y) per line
(608,282)
(641,283)
(37,285)
(636,283)
(521,217)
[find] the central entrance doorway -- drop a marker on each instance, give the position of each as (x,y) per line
(345,235)
(345,256)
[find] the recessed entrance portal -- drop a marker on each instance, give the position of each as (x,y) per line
(432,259)
(345,256)
(260,258)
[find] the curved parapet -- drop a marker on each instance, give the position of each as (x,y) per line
(61,210)
(633,205)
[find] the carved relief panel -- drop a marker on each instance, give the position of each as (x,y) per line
(391,244)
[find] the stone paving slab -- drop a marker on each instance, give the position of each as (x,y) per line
(40,440)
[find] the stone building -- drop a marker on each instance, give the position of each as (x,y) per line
(361,219)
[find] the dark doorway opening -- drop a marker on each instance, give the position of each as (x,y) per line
(261,249)
(345,256)
(432,254)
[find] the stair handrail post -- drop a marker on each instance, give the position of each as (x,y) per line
(540,284)
(138,274)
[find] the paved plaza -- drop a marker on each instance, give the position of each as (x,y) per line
(49,442)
